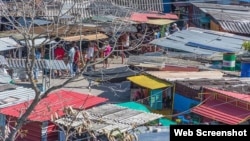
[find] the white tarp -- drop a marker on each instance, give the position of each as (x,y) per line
(8,43)
(39,41)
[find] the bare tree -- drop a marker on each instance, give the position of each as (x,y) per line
(51,11)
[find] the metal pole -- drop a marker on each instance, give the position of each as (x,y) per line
(49,64)
(81,42)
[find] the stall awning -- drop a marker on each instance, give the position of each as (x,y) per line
(149,82)
(8,43)
(38,42)
(160,21)
(91,37)
(222,112)
(40,63)
(73,38)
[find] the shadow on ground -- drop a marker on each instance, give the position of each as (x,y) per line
(115,92)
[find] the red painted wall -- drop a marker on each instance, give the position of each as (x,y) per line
(34,131)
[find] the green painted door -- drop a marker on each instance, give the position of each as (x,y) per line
(156,99)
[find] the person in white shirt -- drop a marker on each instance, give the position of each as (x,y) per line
(71,58)
(175,28)
(90,52)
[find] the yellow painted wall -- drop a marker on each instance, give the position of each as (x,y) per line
(214,26)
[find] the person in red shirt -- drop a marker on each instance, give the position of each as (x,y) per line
(59,55)
(59,52)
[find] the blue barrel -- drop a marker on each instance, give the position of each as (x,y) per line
(245,69)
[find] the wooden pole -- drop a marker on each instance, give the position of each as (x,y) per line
(122,55)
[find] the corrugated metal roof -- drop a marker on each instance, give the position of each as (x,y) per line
(118,114)
(8,43)
(144,17)
(107,8)
(177,68)
(4,77)
(16,96)
(149,82)
(41,63)
(222,112)
(180,46)
(109,116)
(221,6)
(173,76)
(236,26)
(232,18)
(161,61)
(235,95)
(3,61)
(149,61)
(54,103)
(141,4)
(233,84)
(201,41)
(120,28)
(5,87)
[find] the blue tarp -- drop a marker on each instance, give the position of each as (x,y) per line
(197,45)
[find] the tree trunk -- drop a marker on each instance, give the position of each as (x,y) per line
(21,120)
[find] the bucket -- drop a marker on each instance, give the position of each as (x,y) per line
(229,61)
(245,69)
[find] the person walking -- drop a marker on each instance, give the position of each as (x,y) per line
(36,69)
(71,56)
(59,55)
(76,60)
(107,51)
(90,55)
